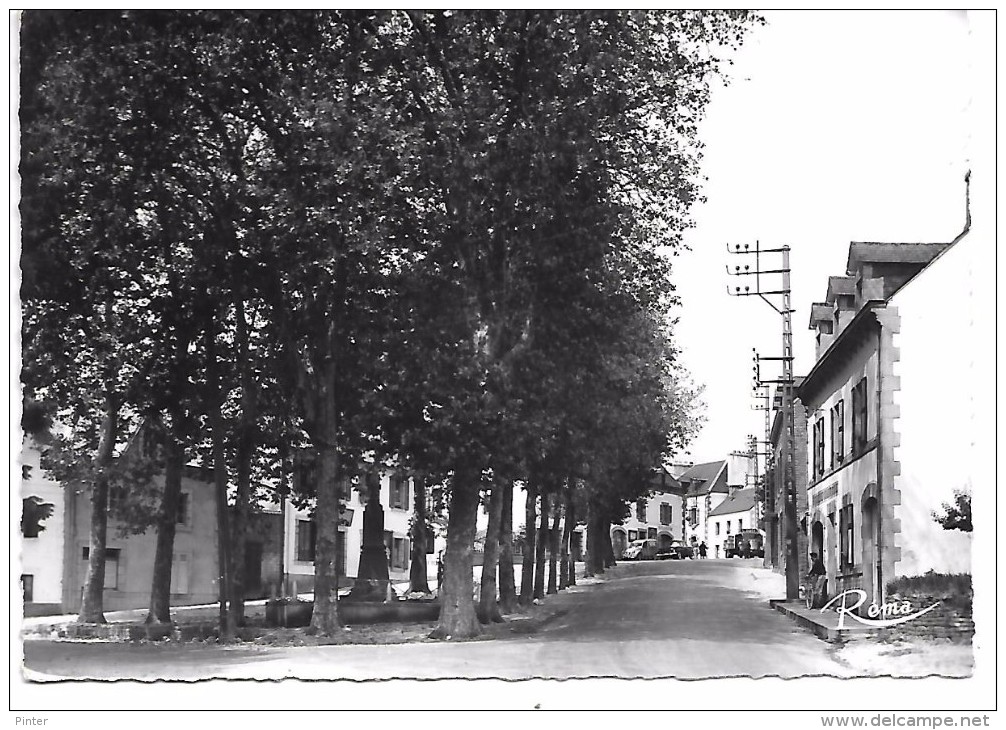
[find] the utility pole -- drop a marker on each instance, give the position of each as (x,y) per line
(760,392)
(786,381)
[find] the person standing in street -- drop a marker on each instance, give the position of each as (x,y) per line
(702,549)
(816,579)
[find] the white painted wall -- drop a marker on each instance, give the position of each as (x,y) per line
(718,529)
(944,387)
(675,529)
(42,556)
(396,521)
(704,504)
(739,465)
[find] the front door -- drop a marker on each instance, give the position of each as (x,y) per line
(871,528)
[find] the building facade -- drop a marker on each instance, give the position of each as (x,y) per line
(707,486)
(660,517)
(129,558)
(54,559)
(739,512)
(774,508)
(43,538)
(884,449)
(397,493)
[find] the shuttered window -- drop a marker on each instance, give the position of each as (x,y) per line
(837,433)
(111,567)
(306,537)
(180,564)
(859,418)
(818,447)
(665,514)
(399,496)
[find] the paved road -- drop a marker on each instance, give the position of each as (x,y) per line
(686,619)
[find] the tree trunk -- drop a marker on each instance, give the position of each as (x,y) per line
(488,610)
(223,521)
(218,437)
(92,608)
(539,553)
(553,551)
(609,550)
(160,584)
(239,534)
(527,561)
(418,582)
(457,605)
(567,530)
(570,526)
(245,451)
(508,589)
(595,546)
(325,617)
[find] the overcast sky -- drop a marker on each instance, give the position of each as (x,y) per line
(837,126)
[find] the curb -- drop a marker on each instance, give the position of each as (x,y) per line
(820,630)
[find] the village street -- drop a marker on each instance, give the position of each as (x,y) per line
(686,619)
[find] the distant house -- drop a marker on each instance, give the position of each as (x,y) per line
(129,559)
(709,484)
(706,487)
(659,516)
(737,513)
(397,499)
(42,539)
(54,561)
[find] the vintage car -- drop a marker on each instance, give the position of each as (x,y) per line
(640,550)
(676,551)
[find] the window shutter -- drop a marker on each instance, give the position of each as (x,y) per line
(180,575)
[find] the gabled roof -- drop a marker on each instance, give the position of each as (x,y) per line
(861,252)
(663,481)
(702,478)
(838,285)
(743,500)
(820,312)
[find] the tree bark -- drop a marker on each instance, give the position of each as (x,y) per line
(325,616)
(553,551)
(527,560)
(92,607)
(217,437)
(507,586)
(567,530)
(609,550)
(539,553)
(457,604)
(160,584)
(488,610)
(418,581)
(570,526)
(595,546)
(245,451)
(223,521)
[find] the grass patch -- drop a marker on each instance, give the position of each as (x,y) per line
(950,587)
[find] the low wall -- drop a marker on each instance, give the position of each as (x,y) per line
(299,614)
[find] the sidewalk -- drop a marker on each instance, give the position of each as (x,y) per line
(40,626)
(823,623)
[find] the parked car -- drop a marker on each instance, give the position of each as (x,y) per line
(640,550)
(676,551)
